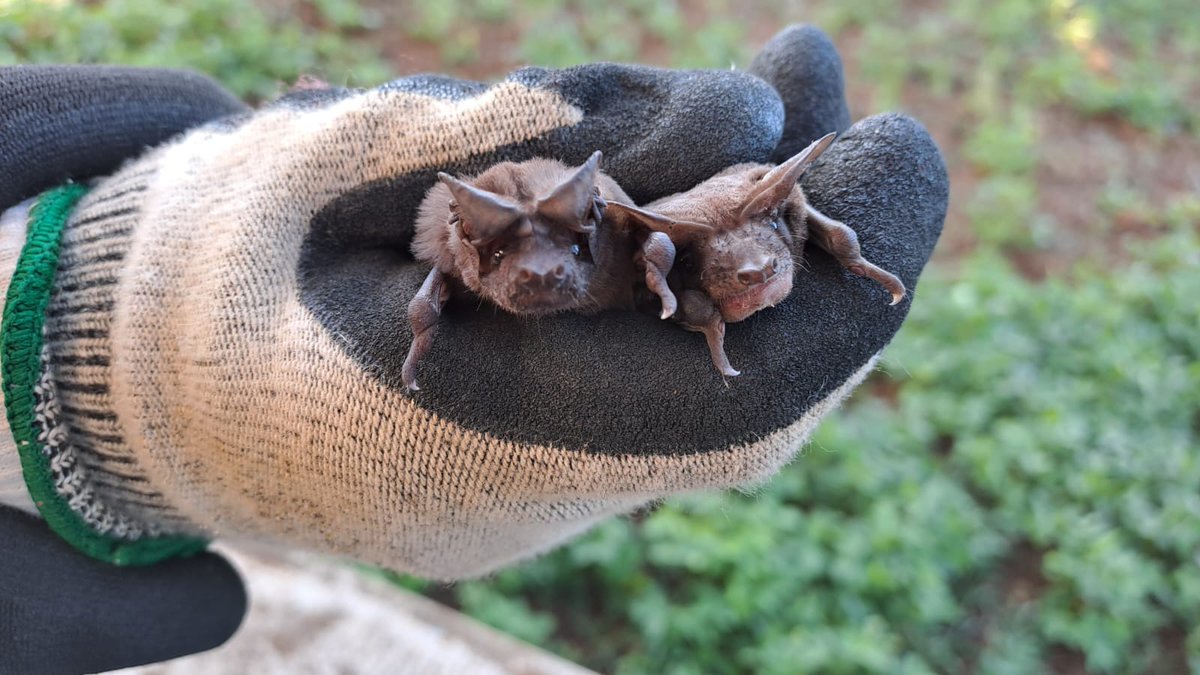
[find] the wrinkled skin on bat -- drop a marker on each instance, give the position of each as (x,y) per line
(760,223)
(529,237)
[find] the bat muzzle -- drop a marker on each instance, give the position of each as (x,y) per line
(767,293)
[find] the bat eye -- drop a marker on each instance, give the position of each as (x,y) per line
(775,225)
(498,256)
(575,250)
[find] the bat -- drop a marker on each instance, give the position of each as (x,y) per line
(759,222)
(532,238)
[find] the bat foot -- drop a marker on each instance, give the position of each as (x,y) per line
(408,372)
(669,304)
(668,310)
(893,286)
(409,377)
(665,296)
(716,349)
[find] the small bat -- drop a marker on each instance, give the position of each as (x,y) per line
(760,221)
(531,238)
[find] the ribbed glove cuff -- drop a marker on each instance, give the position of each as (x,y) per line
(56,355)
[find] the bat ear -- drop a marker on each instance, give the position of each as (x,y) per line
(485,215)
(777,185)
(630,217)
(570,203)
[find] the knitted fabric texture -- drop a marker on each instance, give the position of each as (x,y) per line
(68,121)
(54,473)
(210,391)
(13,226)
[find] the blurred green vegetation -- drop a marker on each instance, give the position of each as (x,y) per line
(250,50)
(1024,496)
(1029,485)
(1018,491)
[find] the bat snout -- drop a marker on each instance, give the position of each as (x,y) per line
(545,288)
(548,278)
(758,272)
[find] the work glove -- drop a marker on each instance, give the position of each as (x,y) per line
(219,350)
(62,612)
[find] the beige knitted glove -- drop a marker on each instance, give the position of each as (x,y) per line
(226,326)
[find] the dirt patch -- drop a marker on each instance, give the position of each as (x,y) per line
(1024,581)
(1085,158)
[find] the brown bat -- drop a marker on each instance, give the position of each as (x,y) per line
(760,221)
(532,238)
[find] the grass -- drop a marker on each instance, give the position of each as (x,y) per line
(253,52)
(1016,492)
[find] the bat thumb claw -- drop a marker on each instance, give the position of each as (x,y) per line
(896,298)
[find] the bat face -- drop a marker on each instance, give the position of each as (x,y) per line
(524,235)
(757,213)
(746,268)
(536,267)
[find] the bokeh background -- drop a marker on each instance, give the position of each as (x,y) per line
(1018,490)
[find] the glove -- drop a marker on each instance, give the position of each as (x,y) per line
(227,322)
(66,122)
(61,612)
(50,595)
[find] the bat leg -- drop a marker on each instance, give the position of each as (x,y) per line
(842,243)
(697,312)
(423,313)
(657,255)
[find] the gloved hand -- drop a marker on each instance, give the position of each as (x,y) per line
(227,321)
(61,612)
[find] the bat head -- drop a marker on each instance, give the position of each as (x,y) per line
(746,260)
(525,233)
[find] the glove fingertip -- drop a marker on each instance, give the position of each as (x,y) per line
(213,602)
(63,612)
(804,67)
(79,121)
(886,179)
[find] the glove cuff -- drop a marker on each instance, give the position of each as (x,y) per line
(56,357)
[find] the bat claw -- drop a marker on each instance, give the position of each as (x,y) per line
(896,298)
(669,305)
(716,346)
(410,382)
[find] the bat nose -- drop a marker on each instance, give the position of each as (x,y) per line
(545,278)
(757,272)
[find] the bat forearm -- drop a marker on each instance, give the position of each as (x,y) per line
(657,256)
(841,242)
(423,313)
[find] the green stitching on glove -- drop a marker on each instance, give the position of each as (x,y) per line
(21,342)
